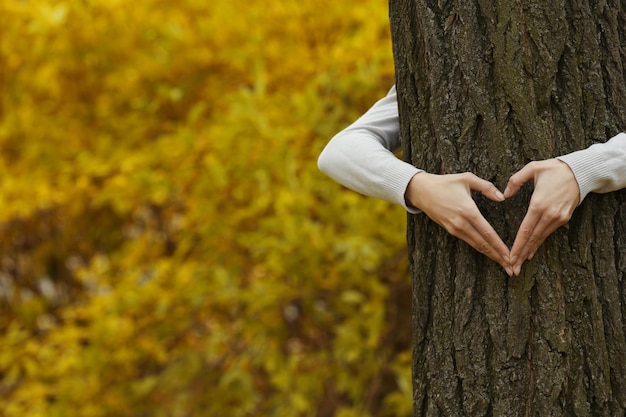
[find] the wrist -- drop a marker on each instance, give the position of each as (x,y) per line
(412,193)
(586,167)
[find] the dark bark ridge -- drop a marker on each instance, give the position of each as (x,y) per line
(487,86)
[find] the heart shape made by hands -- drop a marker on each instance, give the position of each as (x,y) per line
(447,200)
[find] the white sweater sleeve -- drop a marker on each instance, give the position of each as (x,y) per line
(361,157)
(600,168)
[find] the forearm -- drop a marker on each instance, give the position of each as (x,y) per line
(358,160)
(361,157)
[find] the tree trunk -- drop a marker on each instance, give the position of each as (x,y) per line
(487,86)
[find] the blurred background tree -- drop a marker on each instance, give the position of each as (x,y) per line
(168,247)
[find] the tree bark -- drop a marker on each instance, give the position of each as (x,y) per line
(487,86)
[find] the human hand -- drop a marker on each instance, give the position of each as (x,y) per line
(554,199)
(447,200)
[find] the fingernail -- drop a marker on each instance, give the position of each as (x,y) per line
(506,191)
(509,271)
(531,256)
(518,269)
(499,195)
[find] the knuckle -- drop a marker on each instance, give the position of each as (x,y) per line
(560,216)
(563,217)
(537,208)
(456,226)
(466,212)
(532,240)
(534,166)
(526,232)
(515,180)
(484,248)
(468,177)
(461,211)
(553,212)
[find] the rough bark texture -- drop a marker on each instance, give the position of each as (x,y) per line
(487,86)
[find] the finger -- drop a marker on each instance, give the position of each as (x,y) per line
(518,179)
(524,234)
(474,238)
(539,235)
(478,233)
(544,228)
(486,233)
(484,237)
(485,187)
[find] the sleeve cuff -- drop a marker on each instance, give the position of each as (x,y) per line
(397,180)
(587,166)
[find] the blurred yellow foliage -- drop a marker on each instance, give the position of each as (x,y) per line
(168,245)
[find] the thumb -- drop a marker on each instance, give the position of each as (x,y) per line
(485,187)
(518,179)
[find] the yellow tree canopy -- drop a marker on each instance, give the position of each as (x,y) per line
(168,246)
